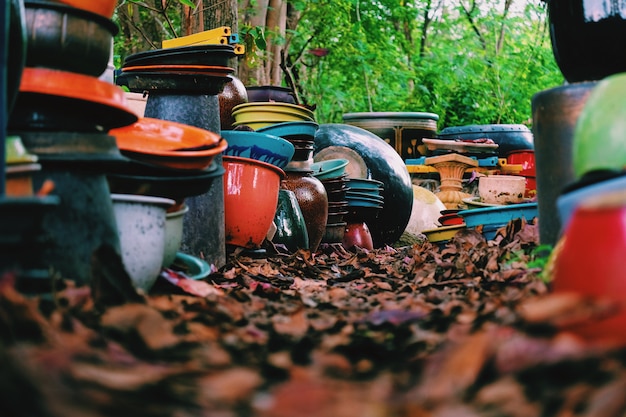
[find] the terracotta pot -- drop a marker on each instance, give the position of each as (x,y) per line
(234,94)
(250,200)
(313,202)
(588,38)
(591,262)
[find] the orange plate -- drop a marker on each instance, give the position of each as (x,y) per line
(74,86)
(102,7)
(170,144)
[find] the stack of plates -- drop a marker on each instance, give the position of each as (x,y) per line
(364,193)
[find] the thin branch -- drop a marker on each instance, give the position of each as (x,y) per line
(470,18)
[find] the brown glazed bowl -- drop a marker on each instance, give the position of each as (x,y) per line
(588,38)
(66,38)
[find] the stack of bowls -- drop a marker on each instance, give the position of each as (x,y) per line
(300,134)
(257,115)
(364,204)
(332,175)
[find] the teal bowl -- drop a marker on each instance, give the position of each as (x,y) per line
(363,183)
(260,146)
(493,218)
(291,129)
(330,168)
(191,266)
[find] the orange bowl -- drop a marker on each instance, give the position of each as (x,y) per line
(102,7)
(250,199)
(169,144)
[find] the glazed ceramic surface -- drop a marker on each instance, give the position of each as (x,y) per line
(234,94)
(260,146)
(173,234)
(598,142)
(384,164)
(358,234)
(588,37)
(442,234)
(292,129)
(313,202)
(265,93)
(250,200)
(141,228)
(331,168)
(291,228)
(104,8)
(192,266)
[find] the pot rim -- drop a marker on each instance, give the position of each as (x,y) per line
(143,199)
(391,115)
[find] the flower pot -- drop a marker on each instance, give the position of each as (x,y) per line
(501,189)
(173,234)
(250,200)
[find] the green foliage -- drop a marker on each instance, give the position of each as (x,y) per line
(374,62)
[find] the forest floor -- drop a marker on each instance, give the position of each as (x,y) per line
(467,329)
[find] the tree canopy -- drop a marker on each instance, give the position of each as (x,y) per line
(469,61)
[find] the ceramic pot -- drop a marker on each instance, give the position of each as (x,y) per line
(370,156)
(588,38)
(246,182)
(141,228)
(69,39)
(291,228)
(104,8)
(313,202)
(270,93)
(509,137)
(357,234)
(555,114)
(234,94)
(501,189)
(404,131)
(597,232)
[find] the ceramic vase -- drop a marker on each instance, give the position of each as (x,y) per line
(313,202)
(291,228)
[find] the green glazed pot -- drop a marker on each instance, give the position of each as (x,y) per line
(290,226)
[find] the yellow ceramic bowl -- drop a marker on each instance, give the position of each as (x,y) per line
(256,125)
(442,234)
(277,107)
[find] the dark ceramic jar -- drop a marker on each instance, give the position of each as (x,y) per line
(234,93)
(313,202)
(588,38)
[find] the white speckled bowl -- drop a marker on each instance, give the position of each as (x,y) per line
(173,234)
(141,228)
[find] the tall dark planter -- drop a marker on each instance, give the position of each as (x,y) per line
(588,37)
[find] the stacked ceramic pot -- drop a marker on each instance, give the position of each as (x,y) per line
(334,179)
(63,114)
(587,39)
(183,84)
(365,201)
(309,191)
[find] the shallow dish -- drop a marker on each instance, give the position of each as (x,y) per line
(459,146)
(191,266)
(442,234)
(493,218)
(170,144)
(474,202)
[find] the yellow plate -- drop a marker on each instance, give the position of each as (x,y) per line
(442,234)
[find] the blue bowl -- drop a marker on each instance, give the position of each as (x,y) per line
(330,168)
(493,218)
(367,195)
(260,146)
(194,268)
(290,129)
(361,183)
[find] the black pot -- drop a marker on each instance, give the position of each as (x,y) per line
(509,137)
(588,38)
(263,93)
(384,164)
(66,38)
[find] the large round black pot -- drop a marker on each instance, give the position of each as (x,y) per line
(509,137)
(384,164)
(588,37)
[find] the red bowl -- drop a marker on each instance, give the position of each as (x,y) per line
(591,263)
(102,7)
(250,199)
(451,219)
